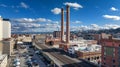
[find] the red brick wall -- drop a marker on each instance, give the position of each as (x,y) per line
(109,59)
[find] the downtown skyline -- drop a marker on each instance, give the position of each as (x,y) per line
(44,16)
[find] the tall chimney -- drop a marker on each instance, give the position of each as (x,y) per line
(62,24)
(68,24)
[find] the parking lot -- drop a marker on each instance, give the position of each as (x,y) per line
(26,57)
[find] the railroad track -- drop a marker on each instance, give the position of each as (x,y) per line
(63,59)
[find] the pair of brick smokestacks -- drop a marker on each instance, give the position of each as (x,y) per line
(67,24)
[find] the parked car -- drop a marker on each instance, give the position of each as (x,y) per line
(16,64)
(35,62)
(30,54)
(28,62)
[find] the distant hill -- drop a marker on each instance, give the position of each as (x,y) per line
(108,31)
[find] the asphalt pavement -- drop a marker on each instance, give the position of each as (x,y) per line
(21,54)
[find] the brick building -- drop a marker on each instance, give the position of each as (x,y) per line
(57,34)
(110,52)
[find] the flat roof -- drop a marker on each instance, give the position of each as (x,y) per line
(88,48)
(2,57)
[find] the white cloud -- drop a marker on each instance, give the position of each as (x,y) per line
(74,5)
(56,10)
(3,5)
(23,20)
(113,9)
(28,25)
(24,5)
(49,27)
(41,20)
(56,22)
(48,20)
(94,25)
(111,26)
(111,17)
(77,22)
(21,5)
(31,20)
(34,27)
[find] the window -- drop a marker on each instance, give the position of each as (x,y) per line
(113,44)
(104,58)
(88,59)
(98,57)
(94,58)
(114,66)
(104,63)
(113,61)
(104,53)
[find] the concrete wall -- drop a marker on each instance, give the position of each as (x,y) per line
(6,29)
(8,47)
(1,28)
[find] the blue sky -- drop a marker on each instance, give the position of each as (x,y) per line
(44,15)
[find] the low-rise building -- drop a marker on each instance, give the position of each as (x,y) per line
(79,42)
(57,34)
(3,60)
(90,53)
(25,39)
(7,46)
(85,50)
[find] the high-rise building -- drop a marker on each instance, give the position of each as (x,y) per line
(1,30)
(110,52)
(6,28)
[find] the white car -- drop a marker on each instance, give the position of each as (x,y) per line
(16,64)
(37,51)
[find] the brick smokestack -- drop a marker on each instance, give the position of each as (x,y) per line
(62,24)
(67,24)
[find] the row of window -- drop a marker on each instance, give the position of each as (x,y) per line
(112,60)
(110,66)
(93,58)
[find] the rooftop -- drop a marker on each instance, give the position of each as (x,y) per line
(87,47)
(2,57)
(5,19)
(80,42)
(90,48)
